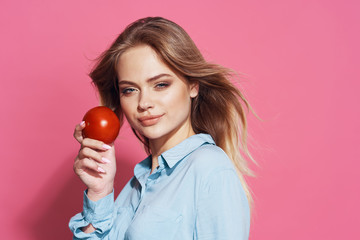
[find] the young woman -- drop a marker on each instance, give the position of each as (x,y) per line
(192,122)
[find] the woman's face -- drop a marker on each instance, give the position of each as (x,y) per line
(155,100)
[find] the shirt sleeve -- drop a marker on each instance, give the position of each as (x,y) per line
(100,214)
(222,210)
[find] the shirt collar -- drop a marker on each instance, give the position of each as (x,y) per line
(180,151)
(175,154)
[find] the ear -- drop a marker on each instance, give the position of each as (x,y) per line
(194,90)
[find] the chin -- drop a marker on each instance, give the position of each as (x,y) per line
(152,133)
(153,136)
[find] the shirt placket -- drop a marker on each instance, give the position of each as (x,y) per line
(146,183)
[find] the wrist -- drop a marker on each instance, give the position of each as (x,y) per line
(94,195)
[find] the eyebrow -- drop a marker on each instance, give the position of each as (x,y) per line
(148,80)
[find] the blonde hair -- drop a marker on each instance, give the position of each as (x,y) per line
(219,108)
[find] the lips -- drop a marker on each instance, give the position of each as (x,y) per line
(150,120)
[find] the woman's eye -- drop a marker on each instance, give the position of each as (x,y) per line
(127,91)
(161,85)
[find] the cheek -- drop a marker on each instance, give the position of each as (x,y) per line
(126,107)
(177,101)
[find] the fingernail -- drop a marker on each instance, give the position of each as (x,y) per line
(82,123)
(105,160)
(101,170)
(105,146)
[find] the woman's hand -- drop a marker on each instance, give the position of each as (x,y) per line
(95,165)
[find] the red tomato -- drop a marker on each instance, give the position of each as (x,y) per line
(101,123)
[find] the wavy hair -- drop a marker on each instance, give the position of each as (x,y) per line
(219,109)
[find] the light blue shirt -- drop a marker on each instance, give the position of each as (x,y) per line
(194,194)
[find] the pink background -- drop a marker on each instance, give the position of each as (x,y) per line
(301,59)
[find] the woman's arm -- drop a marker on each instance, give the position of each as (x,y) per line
(88,229)
(222,209)
(95,164)
(100,215)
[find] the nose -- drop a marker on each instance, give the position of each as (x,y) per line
(145,102)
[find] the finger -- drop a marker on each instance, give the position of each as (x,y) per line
(78,131)
(94,144)
(92,154)
(85,164)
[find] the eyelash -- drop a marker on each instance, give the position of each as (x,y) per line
(158,86)
(127,91)
(162,85)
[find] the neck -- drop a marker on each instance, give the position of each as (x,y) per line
(160,145)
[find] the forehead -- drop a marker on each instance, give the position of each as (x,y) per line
(139,63)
